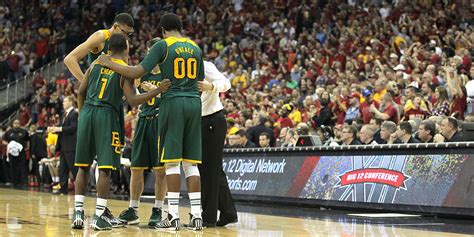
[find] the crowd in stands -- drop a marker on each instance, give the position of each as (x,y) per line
(33,34)
(352,72)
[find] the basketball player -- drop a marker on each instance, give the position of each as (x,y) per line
(99,129)
(145,155)
(180,113)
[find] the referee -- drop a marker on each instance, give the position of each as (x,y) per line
(214,186)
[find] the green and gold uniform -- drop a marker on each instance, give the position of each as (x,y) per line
(91,57)
(145,140)
(180,60)
(100,129)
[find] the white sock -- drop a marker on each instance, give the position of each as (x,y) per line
(159,203)
(56,179)
(195,200)
(100,206)
(173,204)
(135,204)
(79,202)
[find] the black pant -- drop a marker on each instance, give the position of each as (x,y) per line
(18,169)
(66,165)
(214,186)
(35,168)
(3,174)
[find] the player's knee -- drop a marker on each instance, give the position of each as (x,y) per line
(173,168)
(104,172)
(160,173)
(137,173)
(190,169)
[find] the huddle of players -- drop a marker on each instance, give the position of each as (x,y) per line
(168,132)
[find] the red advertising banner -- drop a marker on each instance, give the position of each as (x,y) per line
(371,175)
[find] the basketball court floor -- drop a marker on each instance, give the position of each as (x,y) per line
(32,213)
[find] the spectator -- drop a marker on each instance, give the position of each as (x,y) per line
(403,135)
(255,131)
(387,110)
(4,70)
(349,136)
(380,90)
(366,135)
(365,106)
(291,138)
(325,115)
(417,109)
(234,141)
(264,140)
(244,141)
(302,129)
(386,129)
(352,112)
(449,130)
(376,123)
(281,140)
(17,139)
(441,107)
(24,115)
(284,121)
(427,131)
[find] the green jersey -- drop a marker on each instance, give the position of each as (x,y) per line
(91,57)
(105,87)
(180,60)
(150,108)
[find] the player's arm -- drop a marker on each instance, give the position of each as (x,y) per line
(133,99)
(155,56)
(82,91)
(215,81)
(72,59)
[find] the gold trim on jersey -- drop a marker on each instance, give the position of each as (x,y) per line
(106,33)
(118,61)
(172,40)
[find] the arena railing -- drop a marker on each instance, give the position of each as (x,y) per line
(22,88)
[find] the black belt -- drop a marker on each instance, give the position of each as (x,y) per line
(216,113)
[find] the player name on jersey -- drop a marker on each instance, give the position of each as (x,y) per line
(181,50)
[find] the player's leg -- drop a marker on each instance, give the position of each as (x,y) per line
(160,193)
(130,215)
(171,152)
(84,156)
(138,164)
(160,174)
(192,155)
(107,132)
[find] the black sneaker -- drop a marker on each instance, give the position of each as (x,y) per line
(115,222)
(129,217)
(169,223)
(195,222)
(78,220)
(101,222)
(223,222)
(155,217)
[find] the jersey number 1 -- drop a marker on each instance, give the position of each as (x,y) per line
(185,68)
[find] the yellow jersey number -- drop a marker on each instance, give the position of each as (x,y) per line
(185,68)
(102,89)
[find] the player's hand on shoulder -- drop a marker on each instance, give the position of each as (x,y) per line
(146,86)
(103,59)
(165,85)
